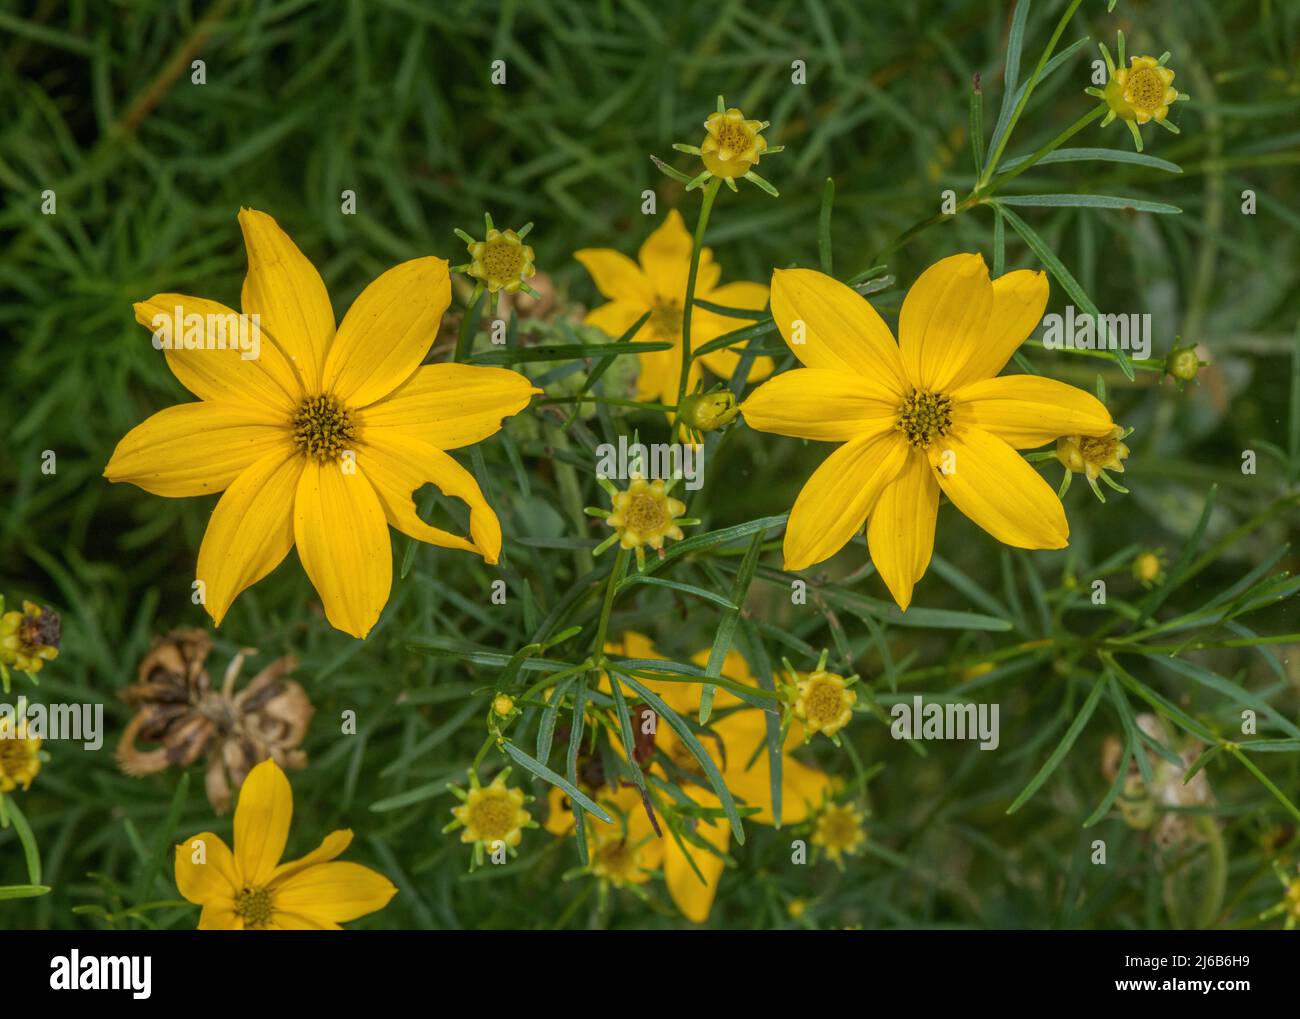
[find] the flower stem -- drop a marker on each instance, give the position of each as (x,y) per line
(615,575)
(1051,146)
(996,154)
(468,324)
(710,192)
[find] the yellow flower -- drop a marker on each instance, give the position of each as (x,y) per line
(1139,93)
(503,705)
(502,261)
(1092,456)
(20,760)
(645,514)
(321,439)
(1142,92)
(1149,568)
(796,908)
(738,748)
(30,638)
(838,831)
(732,145)
(492,814)
(824,703)
(919,416)
(250,889)
(658,285)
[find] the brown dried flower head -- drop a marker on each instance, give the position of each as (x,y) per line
(177,709)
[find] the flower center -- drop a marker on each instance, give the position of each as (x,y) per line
(733,139)
(617,861)
(839,828)
(1145,89)
(666,320)
(14,755)
(503,260)
(1098,451)
(254,905)
(645,514)
(323,428)
(924,416)
(492,817)
(824,703)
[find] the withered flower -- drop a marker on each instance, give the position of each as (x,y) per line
(178,709)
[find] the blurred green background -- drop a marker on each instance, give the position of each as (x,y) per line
(393,100)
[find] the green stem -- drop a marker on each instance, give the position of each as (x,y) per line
(468,324)
(710,192)
(1051,146)
(996,154)
(615,575)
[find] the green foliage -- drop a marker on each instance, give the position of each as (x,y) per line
(394,102)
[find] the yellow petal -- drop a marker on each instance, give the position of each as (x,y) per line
(292,922)
(840,330)
(616,317)
(226,376)
(706,326)
(342,538)
(262,818)
(817,403)
(452,405)
(1025,411)
(334,892)
(900,533)
(251,530)
(665,258)
(397,465)
(835,502)
(286,291)
(194,448)
(693,897)
(660,376)
(802,788)
(333,845)
(387,331)
(215,880)
(1019,299)
(220,917)
(994,486)
(943,320)
(617,276)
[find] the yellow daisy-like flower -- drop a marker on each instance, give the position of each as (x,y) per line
(1092,456)
(918,416)
(20,760)
(732,145)
(657,284)
(492,814)
(823,702)
(1149,568)
(645,514)
(1143,91)
(502,261)
(738,749)
(30,638)
(838,831)
(250,889)
(320,440)
(1139,93)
